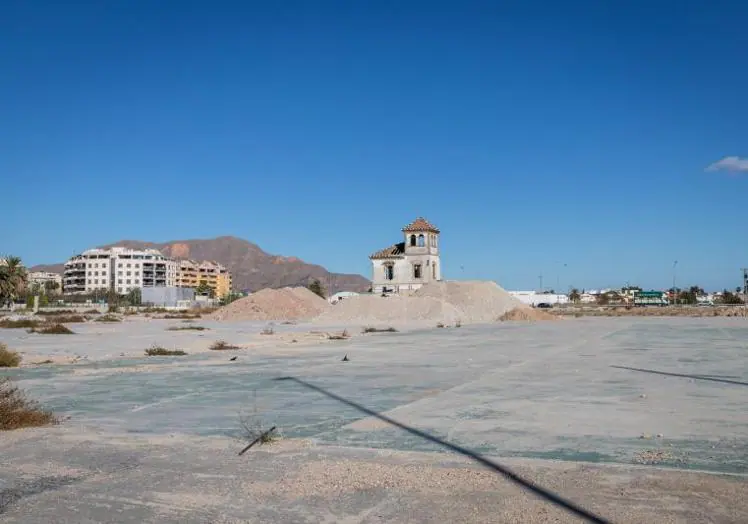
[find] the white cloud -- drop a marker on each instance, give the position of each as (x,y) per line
(733,164)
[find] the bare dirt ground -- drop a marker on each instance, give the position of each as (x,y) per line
(637,419)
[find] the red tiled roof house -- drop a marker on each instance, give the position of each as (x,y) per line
(409,264)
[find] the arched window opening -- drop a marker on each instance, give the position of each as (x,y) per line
(421,241)
(433,271)
(412,240)
(389,272)
(417,274)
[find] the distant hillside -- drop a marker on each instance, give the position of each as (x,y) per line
(250,266)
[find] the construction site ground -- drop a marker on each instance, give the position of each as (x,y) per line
(637,419)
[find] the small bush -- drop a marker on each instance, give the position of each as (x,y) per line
(222,345)
(67,319)
(16,324)
(254,429)
(370,329)
(158,351)
(108,318)
(440,324)
(343,336)
(54,329)
(177,316)
(267,331)
(17,411)
(92,312)
(458,324)
(8,358)
(186,328)
(57,312)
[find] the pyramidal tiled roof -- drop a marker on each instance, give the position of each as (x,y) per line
(395,251)
(421,224)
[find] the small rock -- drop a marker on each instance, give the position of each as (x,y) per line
(642,396)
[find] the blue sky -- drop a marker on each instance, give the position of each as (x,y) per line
(569,139)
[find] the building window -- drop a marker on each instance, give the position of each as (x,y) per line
(128,264)
(417,271)
(119,265)
(128,273)
(433,271)
(389,272)
(119,281)
(421,241)
(119,273)
(412,241)
(128,281)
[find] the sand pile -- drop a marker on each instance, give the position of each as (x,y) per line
(374,310)
(527,314)
(288,303)
(446,302)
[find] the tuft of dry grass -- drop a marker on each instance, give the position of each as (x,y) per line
(178,316)
(67,319)
(158,351)
(186,328)
(8,358)
(108,318)
(267,331)
(58,312)
(220,345)
(19,324)
(370,329)
(54,329)
(17,411)
(440,324)
(342,336)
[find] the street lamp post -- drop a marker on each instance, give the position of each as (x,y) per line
(675,296)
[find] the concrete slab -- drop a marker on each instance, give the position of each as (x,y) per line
(670,392)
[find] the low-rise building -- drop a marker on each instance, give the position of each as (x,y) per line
(410,264)
(118,268)
(45,281)
(191,274)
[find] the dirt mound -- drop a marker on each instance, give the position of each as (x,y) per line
(288,303)
(478,301)
(527,314)
(445,302)
(374,309)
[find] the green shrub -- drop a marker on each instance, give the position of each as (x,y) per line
(186,328)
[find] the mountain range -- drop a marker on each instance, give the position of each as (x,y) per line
(251,268)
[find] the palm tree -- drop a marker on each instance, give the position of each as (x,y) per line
(574,295)
(13,279)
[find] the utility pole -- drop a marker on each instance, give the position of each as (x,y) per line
(675,295)
(745,290)
(541,282)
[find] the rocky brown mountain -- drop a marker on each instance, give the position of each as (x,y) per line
(251,267)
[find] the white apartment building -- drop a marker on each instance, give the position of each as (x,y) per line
(120,269)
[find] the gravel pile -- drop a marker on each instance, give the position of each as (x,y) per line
(288,303)
(446,302)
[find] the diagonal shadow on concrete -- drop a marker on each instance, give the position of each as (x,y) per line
(682,375)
